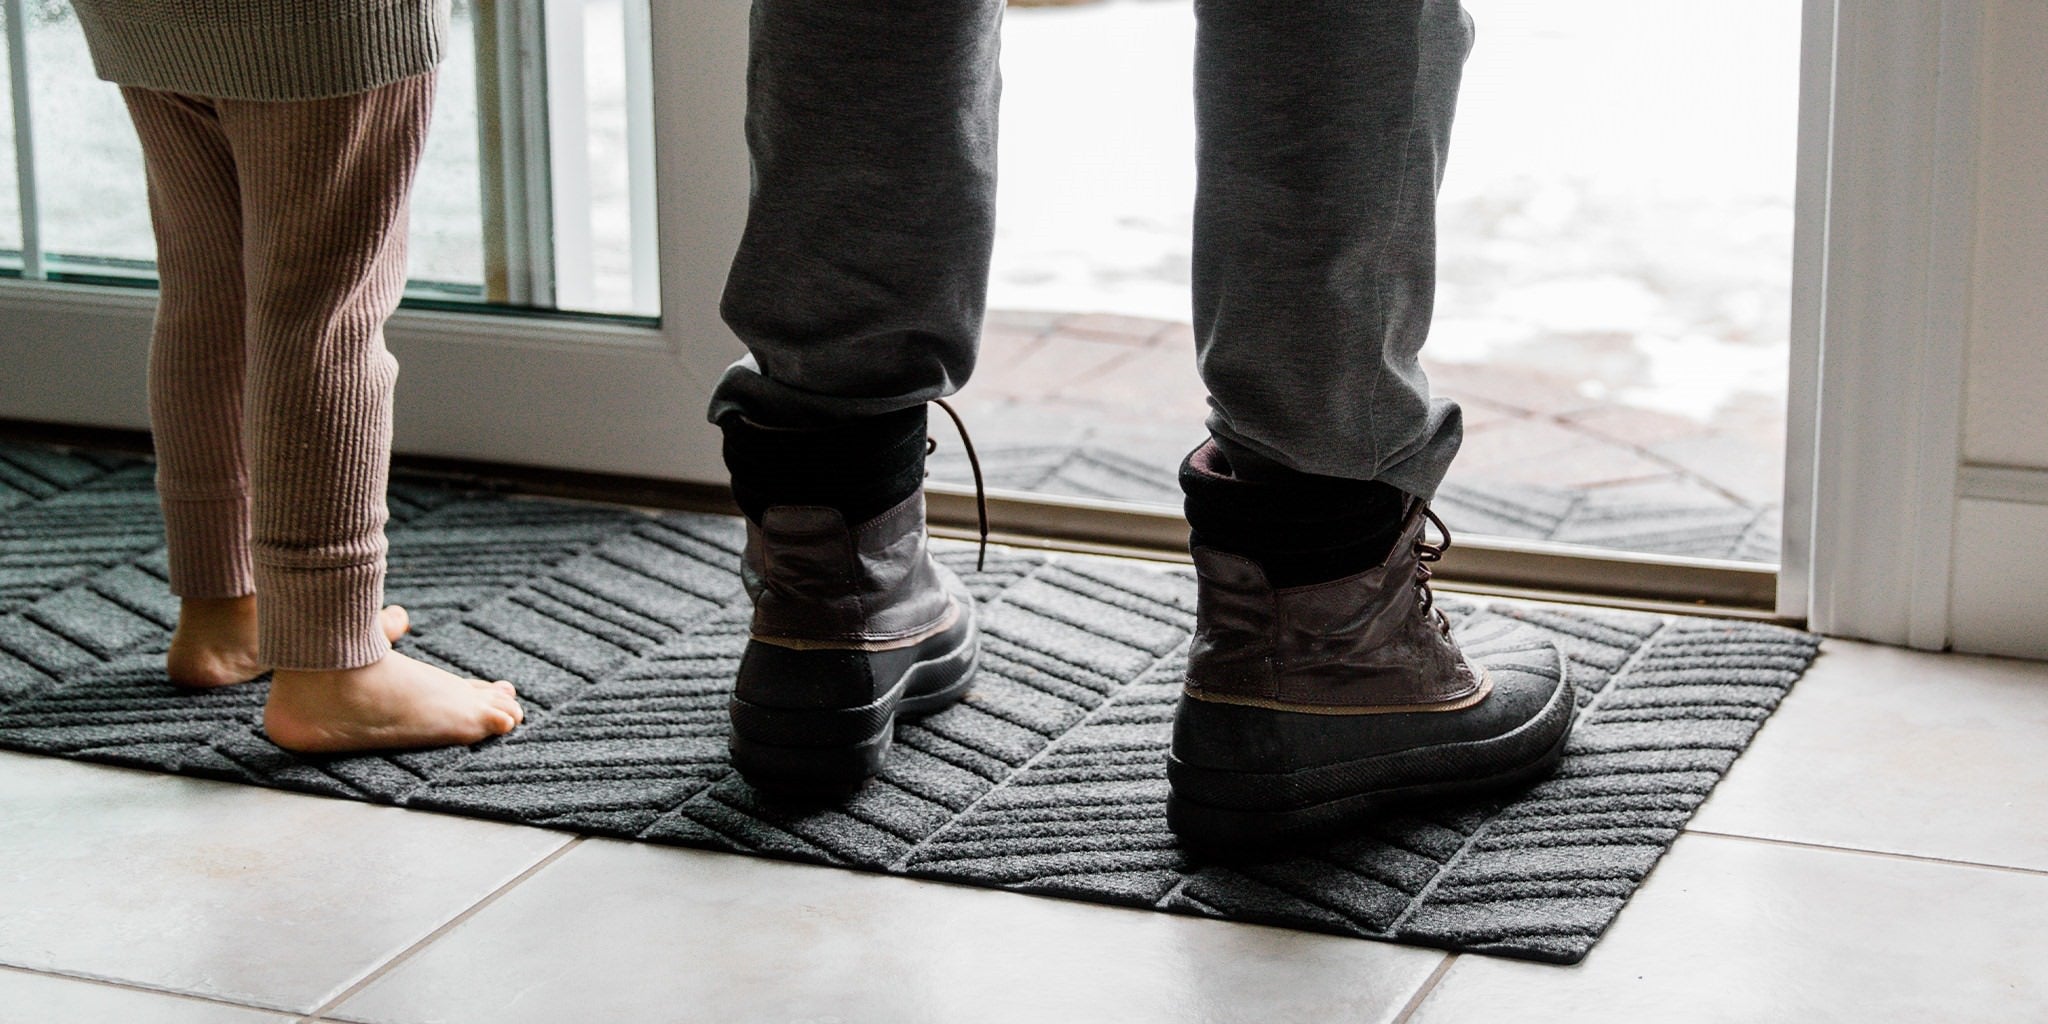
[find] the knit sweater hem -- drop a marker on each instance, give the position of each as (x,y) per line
(300,59)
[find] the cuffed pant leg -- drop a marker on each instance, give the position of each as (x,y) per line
(861,279)
(325,185)
(196,352)
(1323,128)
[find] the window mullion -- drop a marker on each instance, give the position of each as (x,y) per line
(567,145)
(514,158)
(24,142)
(640,184)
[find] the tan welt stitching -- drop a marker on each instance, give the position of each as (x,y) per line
(944,623)
(1455,704)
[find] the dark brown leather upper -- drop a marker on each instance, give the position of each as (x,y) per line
(814,580)
(1362,643)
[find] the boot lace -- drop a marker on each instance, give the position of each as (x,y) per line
(1426,556)
(931,444)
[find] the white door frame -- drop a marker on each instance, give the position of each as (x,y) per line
(1880,302)
(1883,250)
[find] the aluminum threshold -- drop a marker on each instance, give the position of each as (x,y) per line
(1541,570)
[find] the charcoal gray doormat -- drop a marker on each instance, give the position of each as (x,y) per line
(622,631)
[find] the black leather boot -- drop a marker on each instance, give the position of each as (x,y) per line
(854,622)
(1309,708)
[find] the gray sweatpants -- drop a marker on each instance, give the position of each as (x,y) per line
(860,284)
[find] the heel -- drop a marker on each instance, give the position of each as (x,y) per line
(828,747)
(813,772)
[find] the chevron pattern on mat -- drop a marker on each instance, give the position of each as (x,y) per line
(623,631)
(1700,528)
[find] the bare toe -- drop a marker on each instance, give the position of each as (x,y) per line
(395,621)
(500,721)
(396,704)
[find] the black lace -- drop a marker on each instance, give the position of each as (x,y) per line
(931,444)
(1426,554)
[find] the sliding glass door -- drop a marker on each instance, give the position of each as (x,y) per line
(587,183)
(1615,276)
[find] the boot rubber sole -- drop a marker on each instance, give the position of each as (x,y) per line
(1199,804)
(806,753)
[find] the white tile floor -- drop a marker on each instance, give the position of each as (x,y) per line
(1880,854)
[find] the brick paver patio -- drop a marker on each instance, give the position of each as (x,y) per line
(1102,406)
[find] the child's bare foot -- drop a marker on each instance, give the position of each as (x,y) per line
(395,704)
(215,642)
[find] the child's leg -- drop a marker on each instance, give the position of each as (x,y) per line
(195,384)
(324,188)
(195,356)
(196,362)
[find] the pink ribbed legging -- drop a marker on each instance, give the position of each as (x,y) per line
(281,231)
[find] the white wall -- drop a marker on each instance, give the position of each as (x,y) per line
(2006,422)
(2000,579)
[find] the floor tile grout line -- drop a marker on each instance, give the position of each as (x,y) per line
(136,986)
(1428,986)
(1861,851)
(451,924)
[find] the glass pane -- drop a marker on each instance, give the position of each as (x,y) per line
(611,202)
(1615,292)
(97,213)
(1087,385)
(582,161)
(95,203)
(447,210)
(96,216)
(590,99)
(10,201)
(1614,281)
